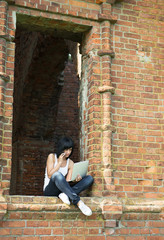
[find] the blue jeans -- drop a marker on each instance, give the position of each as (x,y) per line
(58,184)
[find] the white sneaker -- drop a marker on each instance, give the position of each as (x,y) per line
(84,208)
(64,198)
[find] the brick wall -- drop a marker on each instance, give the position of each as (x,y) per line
(121,113)
(137,105)
(39,218)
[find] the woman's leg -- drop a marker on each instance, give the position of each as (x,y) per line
(51,189)
(59,184)
(82,185)
(64,187)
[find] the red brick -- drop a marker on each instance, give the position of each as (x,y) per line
(116,238)
(111,224)
(43,231)
(4,231)
(17,231)
(15,224)
(52,238)
(95,237)
(8,238)
(74,237)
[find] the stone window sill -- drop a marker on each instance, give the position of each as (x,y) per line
(44,207)
(103,207)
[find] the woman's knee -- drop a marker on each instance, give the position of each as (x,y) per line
(57,176)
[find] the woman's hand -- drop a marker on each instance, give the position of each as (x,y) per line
(78,178)
(61,158)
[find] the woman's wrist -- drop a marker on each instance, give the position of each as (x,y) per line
(60,163)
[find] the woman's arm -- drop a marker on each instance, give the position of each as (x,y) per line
(50,164)
(70,169)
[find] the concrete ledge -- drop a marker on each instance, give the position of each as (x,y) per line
(49,207)
(143,205)
(107,17)
(3,206)
(39,207)
(106,52)
(39,203)
(7,37)
(105,89)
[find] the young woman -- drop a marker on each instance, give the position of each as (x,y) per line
(58,174)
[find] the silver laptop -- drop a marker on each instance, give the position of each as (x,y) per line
(80,168)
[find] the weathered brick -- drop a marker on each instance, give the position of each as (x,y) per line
(136,110)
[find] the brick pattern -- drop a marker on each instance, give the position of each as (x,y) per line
(106,127)
(68,116)
(90,109)
(73,7)
(47,218)
(137,105)
(7,48)
(96,108)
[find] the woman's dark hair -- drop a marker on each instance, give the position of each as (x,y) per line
(64,143)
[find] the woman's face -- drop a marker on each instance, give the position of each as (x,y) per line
(67,152)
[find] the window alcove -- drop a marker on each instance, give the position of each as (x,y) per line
(45,105)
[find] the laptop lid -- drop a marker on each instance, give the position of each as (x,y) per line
(80,168)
